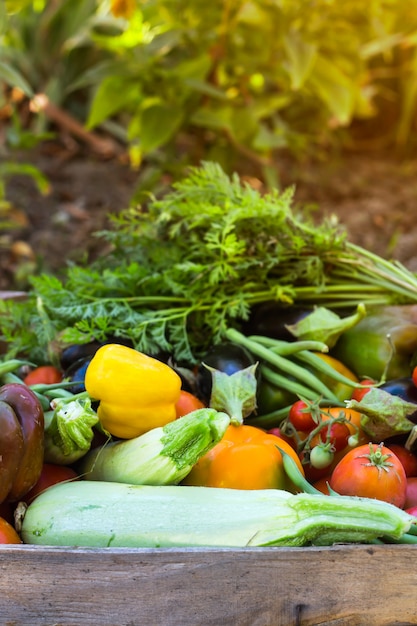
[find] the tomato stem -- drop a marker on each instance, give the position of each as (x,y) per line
(377,459)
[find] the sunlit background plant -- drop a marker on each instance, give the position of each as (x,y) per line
(176,81)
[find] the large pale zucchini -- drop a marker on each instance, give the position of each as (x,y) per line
(88,513)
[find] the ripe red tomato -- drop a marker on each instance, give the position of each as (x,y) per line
(407,458)
(411,493)
(371,471)
(187,403)
(300,417)
(358,394)
(353,422)
(50,475)
(338,436)
(8,533)
(44,374)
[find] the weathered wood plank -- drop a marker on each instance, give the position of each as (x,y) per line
(343,585)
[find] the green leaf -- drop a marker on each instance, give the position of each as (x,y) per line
(196,68)
(205,88)
(113,94)
(3,18)
(381,45)
(301,56)
(159,123)
(15,79)
(14,6)
(267,139)
(25,169)
(218,118)
(244,124)
(250,13)
(265,106)
(334,88)
(383,415)
(325,325)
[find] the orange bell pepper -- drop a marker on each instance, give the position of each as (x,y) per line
(246,458)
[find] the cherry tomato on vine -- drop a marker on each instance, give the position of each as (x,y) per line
(313,473)
(358,394)
(187,403)
(338,435)
(371,471)
(44,374)
(414,376)
(321,456)
(8,533)
(300,416)
(353,421)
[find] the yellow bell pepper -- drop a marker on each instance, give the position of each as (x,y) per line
(136,392)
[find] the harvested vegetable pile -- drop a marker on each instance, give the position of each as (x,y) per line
(225,345)
(186,267)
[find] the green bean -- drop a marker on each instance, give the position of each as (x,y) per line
(306,355)
(269,420)
(58,393)
(286,348)
(295,476)
(41,387)
(286,383)
(12,365)
(9,377)
(413,529)
(319,364)
(406,538)
(287,366)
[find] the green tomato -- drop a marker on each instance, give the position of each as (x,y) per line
(321,456)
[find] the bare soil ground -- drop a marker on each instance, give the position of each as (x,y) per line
(373,195)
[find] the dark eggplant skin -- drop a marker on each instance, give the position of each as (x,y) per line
(11,448)
(76,352)
(76,373)
(402,387)
(29,413)
(226,357)
(271,319)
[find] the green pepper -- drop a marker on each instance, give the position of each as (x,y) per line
(382,345)
(270,397)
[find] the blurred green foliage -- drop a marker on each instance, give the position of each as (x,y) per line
(182,80)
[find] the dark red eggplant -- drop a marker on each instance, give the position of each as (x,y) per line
(28,411)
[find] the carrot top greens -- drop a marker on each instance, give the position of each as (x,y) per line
(183,269)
